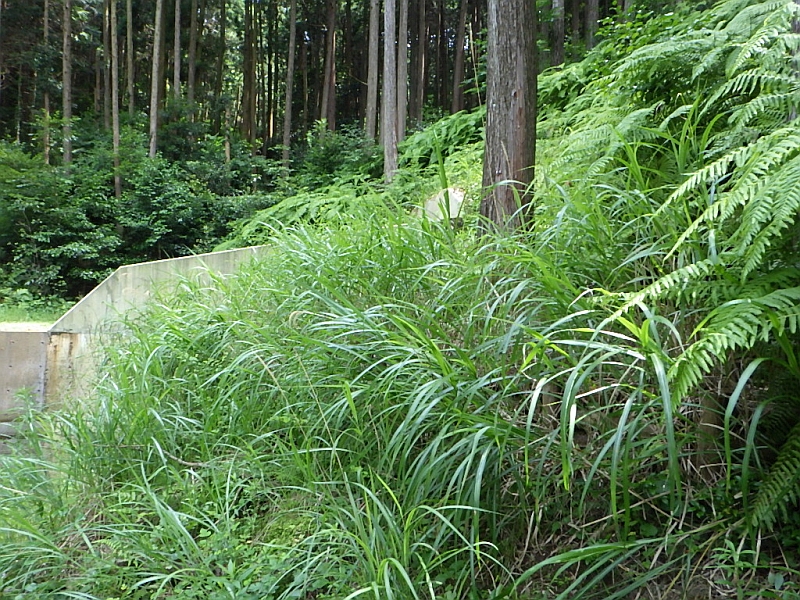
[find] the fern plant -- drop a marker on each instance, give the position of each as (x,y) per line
(738,252)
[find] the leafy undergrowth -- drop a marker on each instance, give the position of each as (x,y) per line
(379,409)
(602,407)
(20,305)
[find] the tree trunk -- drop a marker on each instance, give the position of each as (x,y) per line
(287,110)
(155,78)
(627,8)
(441,55)
(389,102)
(104,69)
(370,126)
(575,36)
(176,53)
(511,113)
(218,109)
(402,71)
(592,18)
(350,98)
(2,61)
(543,34)
(304,77)
(129,57)
(66,86)
(419,51)
(328,108)
(192,67)
(98,80)
(46,95)
(458,63)
(558,32)
(249,82)
(115,97)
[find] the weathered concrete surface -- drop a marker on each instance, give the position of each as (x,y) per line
(133,285)
(60,362)
(23,355)
(71,367)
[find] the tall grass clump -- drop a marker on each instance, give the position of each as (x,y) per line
(382,407)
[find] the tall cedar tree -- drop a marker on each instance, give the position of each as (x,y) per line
(371,118)
(287,111)
(46,98)
(66,83)
(511,113)
(155,78)
(389,100)
(115,96)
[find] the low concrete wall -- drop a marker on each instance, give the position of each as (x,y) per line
(132,286)
(23,356)
(58,363)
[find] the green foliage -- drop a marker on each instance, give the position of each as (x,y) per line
(449,134)
(386,407)
(62,232)
(342,156)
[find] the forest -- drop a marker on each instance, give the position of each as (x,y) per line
(581,386)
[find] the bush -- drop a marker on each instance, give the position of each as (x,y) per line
(342,156)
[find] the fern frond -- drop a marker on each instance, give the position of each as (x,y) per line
(754,15)
(773,210)
(781,487)
(696,44)
(753,161)
(754,45)
(735,325)
(776,105)
(670,285)
(784,413)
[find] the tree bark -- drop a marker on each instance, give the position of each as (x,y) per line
(176,53)
(287,110)
(155,79)
(558,32)
(115,97)
(389,101)
(104,69)
(2,61)
(218,109)
(627,7)
(458,62)
(98,81)
(592,18)
(66,86)
(511,113)
(419,51)
(370,125)
(304,78)
(402,71)
(46,94)
(192,66)
(249,84)
(129,57)
(328,108)
(441,54)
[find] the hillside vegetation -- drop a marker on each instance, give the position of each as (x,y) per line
(602,407)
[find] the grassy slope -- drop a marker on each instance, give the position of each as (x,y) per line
(387,408)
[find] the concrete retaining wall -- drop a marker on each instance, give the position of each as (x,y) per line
(57,363)
(132,286)
(23,359)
